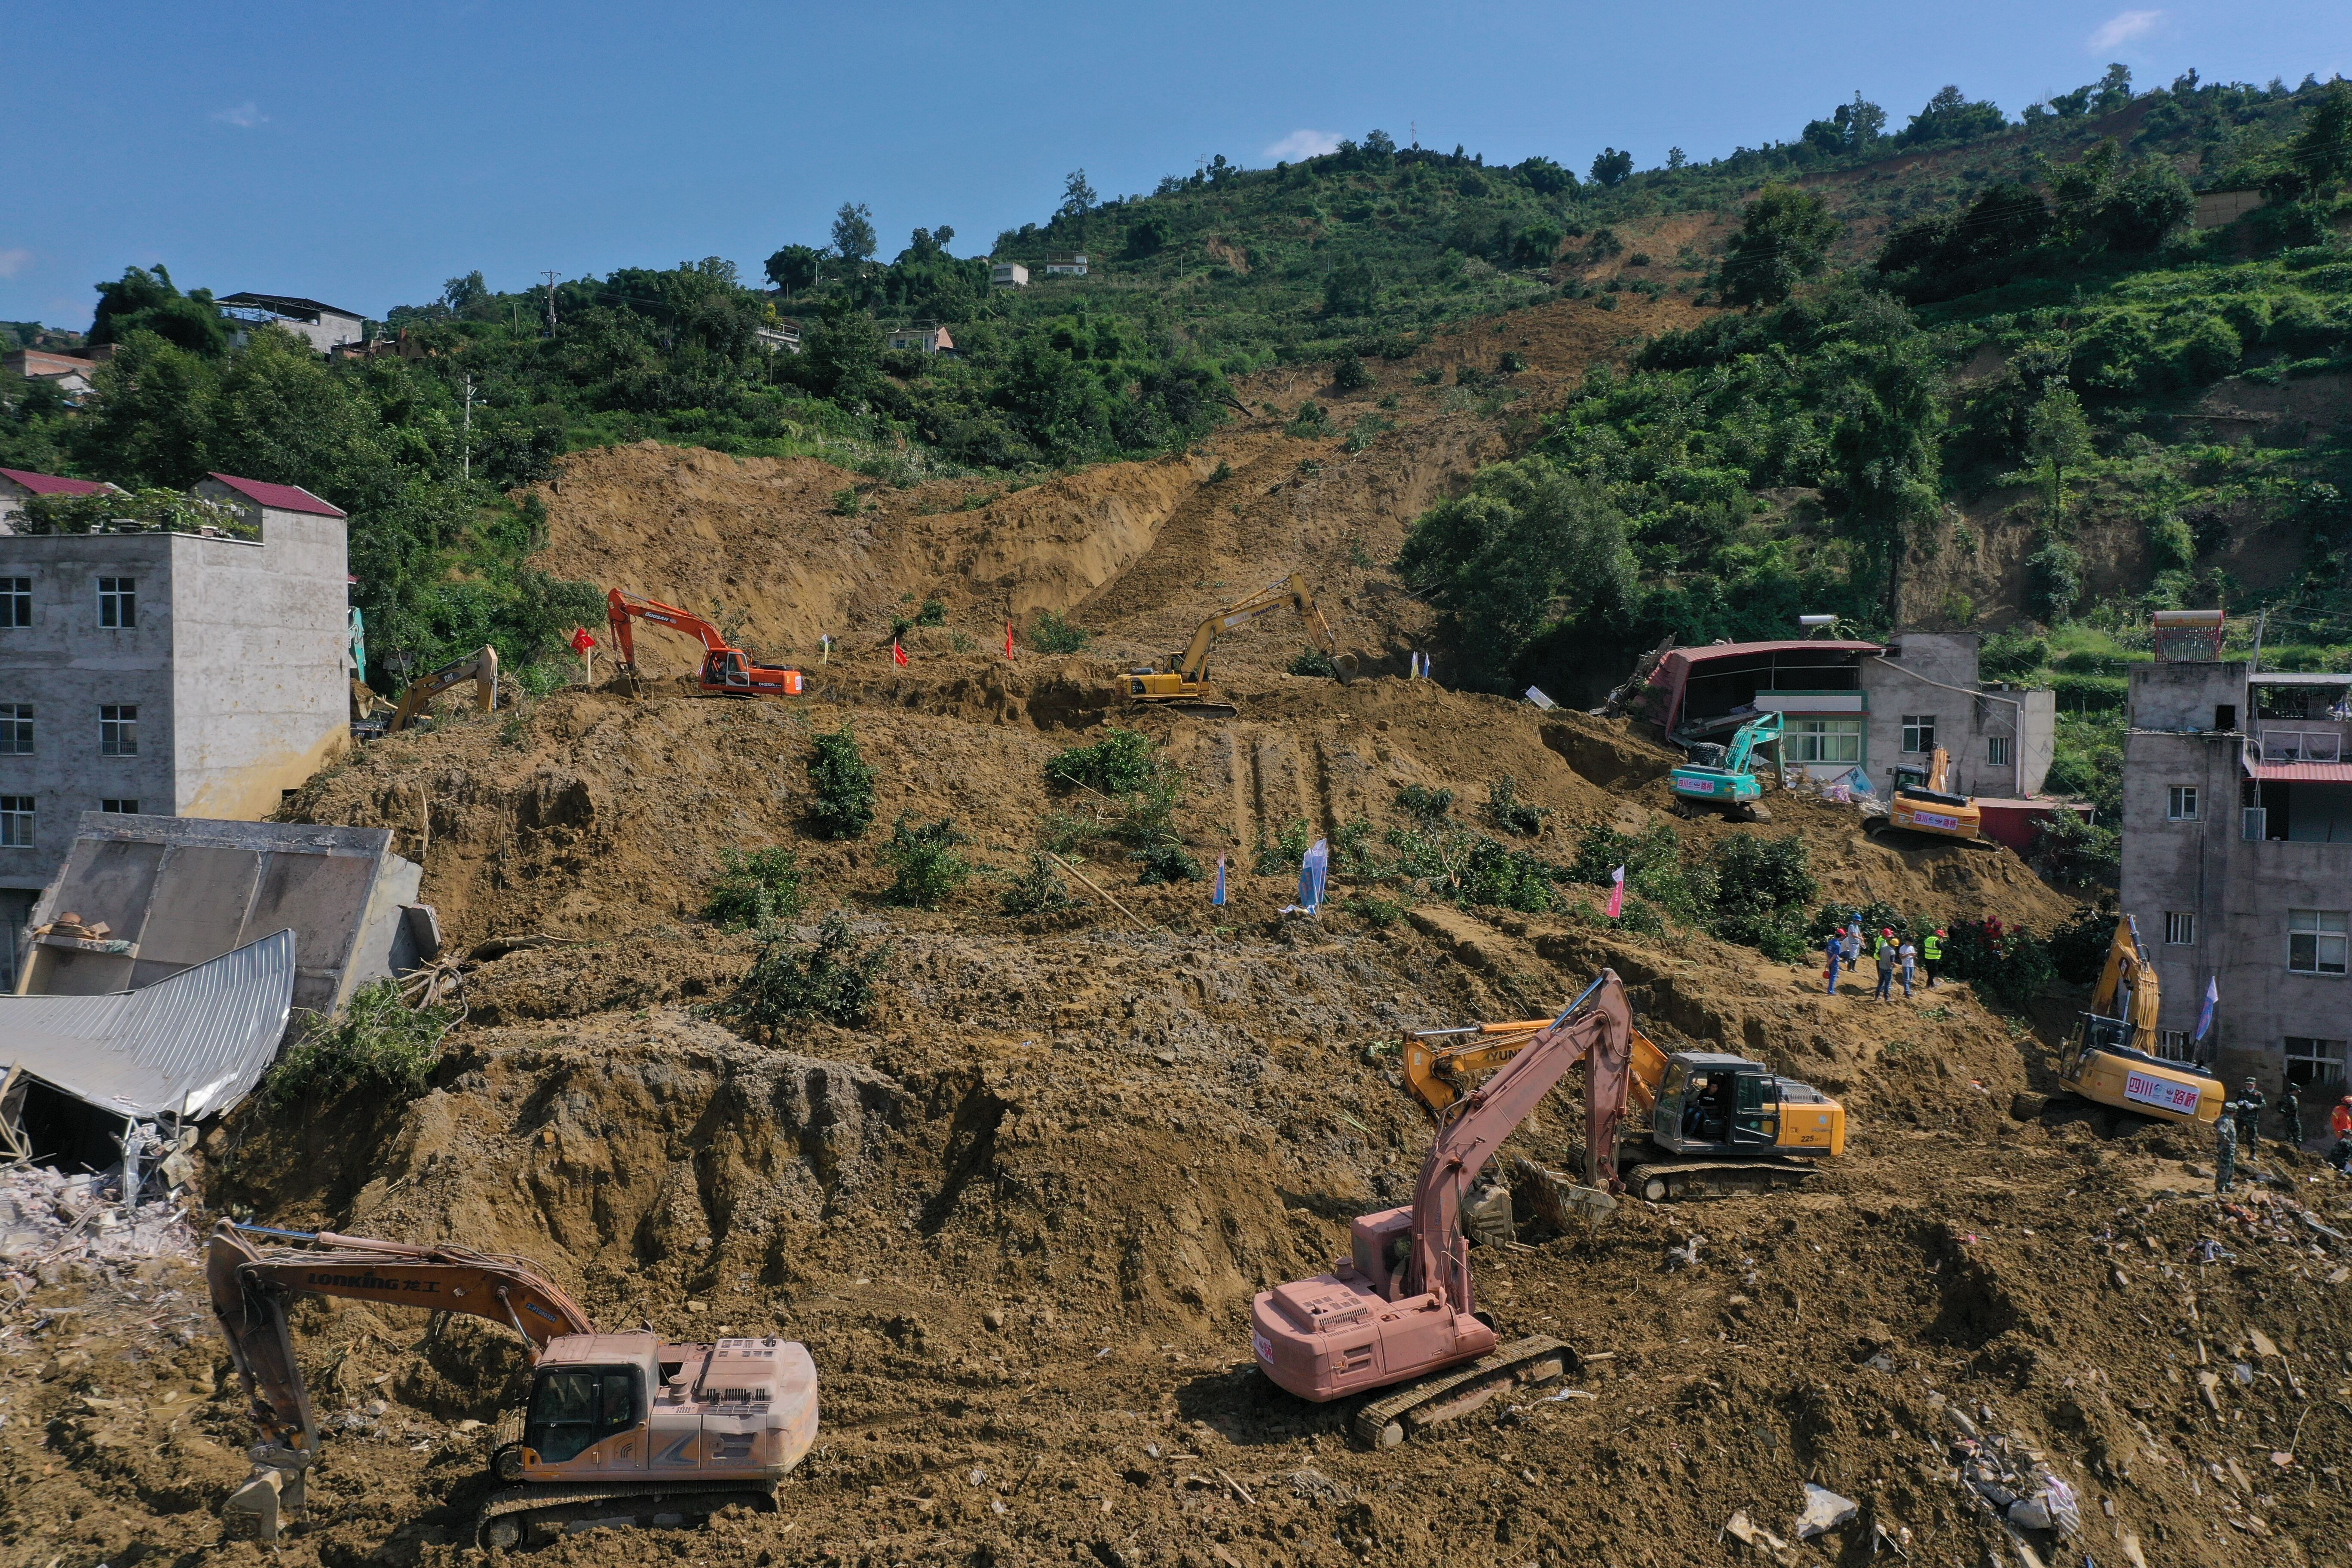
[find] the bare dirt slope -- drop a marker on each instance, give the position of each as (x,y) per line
(1019,1214)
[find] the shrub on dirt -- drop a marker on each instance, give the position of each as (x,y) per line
(377,1045)
(2078,949)
(1051,633)
(1505,810)
(844,782)
(755,889)
(1280,856)
(1423,804)
(1348,374)
(1039,891)
(1121,762)
(1314,661)
(1492,872)
(2007,964)
(831,978)
(1761,887)
(924,855)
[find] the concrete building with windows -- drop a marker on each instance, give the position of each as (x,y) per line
(325,327)
(18,485)
(169,674)
(2236,862)
(922,338)
(1066,264)
(1866,712)
(1008,274)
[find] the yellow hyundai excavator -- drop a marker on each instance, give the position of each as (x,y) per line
(480,667)
(1701,1123)
(620,1430)
(2112,1058)
(1184,686)
(1927,807)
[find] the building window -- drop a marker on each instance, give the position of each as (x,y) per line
(2315,942)
(2180,927)
(2313,1061)
(118,600)
(15,728)
(2173,1046)
(16,601)
(15,822)
(117,730)
(118,808)
(1824,739)
(1918,732)
(1996,751)
(2180,804)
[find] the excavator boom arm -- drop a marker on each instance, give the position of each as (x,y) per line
(249,1285)
(1602,1035)
(481,666)
(621,609)
(1291,590)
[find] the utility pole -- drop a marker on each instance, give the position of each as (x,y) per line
(470,429)
(550,303)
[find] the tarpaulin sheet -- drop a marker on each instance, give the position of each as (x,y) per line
(198,1041)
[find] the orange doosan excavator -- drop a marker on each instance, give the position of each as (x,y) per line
(620,1429)
(726,669)
(1401,1307)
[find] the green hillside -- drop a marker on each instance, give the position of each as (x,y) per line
(1923,317)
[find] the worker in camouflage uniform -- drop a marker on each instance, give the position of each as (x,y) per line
(2250,1119)
(2225,1150)
(2290,1112)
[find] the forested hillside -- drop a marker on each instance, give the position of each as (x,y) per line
(1961,369)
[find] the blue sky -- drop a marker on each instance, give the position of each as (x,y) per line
(362,155)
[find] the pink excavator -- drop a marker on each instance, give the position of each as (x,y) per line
(1401,1306)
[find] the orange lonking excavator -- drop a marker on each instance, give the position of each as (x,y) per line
(620,1429)
(1400,1306)
(726,669)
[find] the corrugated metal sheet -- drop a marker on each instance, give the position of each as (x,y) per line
(202,1038)
(2301,773)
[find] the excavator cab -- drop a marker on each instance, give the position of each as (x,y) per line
(1710,1103)
(574,1408)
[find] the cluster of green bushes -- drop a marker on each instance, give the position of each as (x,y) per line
(2007,964)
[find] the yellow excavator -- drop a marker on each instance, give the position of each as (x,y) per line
(1184,686)
(480,667)
(1699,1123)
(2112,1058)
(1927,807)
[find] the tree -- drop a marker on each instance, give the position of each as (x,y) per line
(853,233)
(1785,236)
(795,267)
(148,300)
(1349,291)
(1148,236)
(1077,196)
(1950,117)
(2114,90)
(2058,437)
(1885,451)
(2144,208)
(1545,177)
(1525,545)
(1676,157)
(467,298)
(1611,168)
(2321,153)
(1863,121)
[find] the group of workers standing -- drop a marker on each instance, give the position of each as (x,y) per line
(1902,956)
(2241,1126)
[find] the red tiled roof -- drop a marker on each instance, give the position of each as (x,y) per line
(2302,773)
(55,484)
(280,497)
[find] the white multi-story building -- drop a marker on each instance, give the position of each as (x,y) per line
(165,673)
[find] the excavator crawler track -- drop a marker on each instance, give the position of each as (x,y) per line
(1201,709)
(1715,1178)
(532,1516)
(1409,1411)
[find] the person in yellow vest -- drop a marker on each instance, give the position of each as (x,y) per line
(1931,955)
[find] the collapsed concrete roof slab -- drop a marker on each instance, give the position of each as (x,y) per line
(196,1043)
(180,891)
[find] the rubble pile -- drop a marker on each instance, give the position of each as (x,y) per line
(50,1221)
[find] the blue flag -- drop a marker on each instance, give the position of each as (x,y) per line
(1313,870)
(2205,1017)
(1219,900)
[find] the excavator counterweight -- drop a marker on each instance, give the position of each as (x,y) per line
(1931,811)
(619,1427)
(1184,686)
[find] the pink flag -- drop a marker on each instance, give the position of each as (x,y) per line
(1617,892)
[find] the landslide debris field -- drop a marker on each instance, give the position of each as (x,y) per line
(1019,1214)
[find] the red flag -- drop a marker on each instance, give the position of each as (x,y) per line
(897,653)
(1008,639)
(1617,893)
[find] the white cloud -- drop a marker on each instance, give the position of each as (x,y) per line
(1304,145)
(244,116)
(15,261)
(2122,28)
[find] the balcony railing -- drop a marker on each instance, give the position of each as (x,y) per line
(2300,745)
